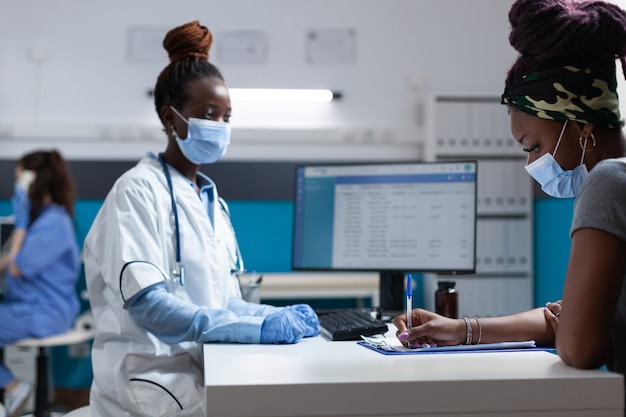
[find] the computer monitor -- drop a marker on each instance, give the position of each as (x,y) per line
(389,217)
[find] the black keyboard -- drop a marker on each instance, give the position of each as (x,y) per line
(349,324)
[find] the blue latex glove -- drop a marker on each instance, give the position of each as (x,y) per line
(21,207)
(308,316)
(282,327)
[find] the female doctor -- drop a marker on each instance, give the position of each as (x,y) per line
(161,256)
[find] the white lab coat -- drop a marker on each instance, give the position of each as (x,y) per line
(135,374)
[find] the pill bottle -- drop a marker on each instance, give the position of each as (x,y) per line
(447,299)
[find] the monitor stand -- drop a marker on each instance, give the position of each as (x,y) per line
(391,292)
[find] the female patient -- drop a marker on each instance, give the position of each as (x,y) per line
(42,264)
(564,111)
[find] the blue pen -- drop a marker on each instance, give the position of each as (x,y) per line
(409,302)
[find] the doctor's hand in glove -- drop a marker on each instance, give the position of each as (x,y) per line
(244,308)
(284,326)
(308,316)
(430,328)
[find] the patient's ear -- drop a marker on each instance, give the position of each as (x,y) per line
(167,116)
(586,129)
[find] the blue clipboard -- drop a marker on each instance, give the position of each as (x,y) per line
(392,346)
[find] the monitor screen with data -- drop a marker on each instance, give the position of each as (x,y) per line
(406,216)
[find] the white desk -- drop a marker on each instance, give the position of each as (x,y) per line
(321,378)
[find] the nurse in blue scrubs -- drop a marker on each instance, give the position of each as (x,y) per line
(42,263)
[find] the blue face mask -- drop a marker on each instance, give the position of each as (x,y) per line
(553,179)
(206,142)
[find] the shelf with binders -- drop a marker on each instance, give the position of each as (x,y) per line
(502,247)
(472,127)
(477,128)
(504,189)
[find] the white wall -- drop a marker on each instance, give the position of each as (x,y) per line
(85,80)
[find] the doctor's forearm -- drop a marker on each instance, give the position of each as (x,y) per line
(173,320)
(241,307)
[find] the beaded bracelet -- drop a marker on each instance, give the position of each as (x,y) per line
(480,331)
(468,327)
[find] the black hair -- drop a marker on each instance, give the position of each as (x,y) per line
(188,48)
(552,33)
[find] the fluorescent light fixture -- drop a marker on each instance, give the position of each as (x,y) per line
(282,95)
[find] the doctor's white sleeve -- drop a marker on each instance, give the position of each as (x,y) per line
(173,320)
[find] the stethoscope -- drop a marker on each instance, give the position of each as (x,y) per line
(179,269)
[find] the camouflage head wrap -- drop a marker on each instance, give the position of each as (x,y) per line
(584,95)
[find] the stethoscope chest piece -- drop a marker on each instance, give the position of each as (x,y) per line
(180,273)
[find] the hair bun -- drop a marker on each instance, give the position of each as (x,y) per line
(545,29)
(188,40)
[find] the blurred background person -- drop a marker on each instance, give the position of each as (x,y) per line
(42,263)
